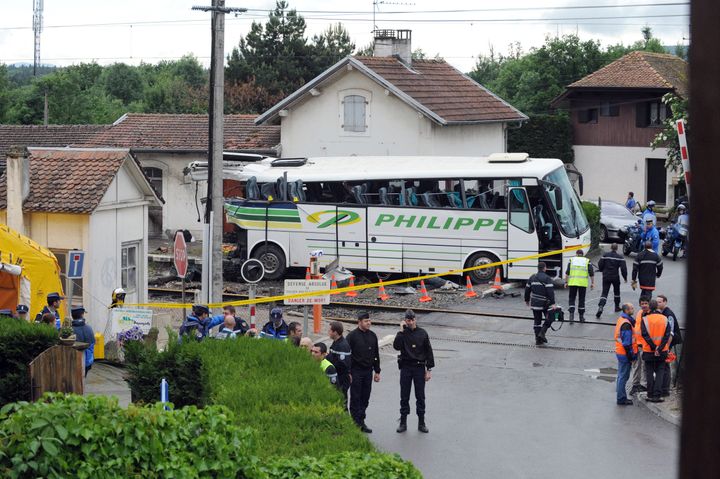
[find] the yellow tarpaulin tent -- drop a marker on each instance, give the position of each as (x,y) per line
(39,272)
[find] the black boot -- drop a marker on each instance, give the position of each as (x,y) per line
(617,307)
(542,334)
(403,424)
(582,317)
(599,312)
(421,424)
(572,315)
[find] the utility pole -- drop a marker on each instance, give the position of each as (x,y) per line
(37,30)
(212,271)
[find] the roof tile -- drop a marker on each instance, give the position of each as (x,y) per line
(184,132)
(640,70)
(68,180)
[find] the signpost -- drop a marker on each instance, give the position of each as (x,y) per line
(296,286)
(181,262)
(252,271)
(684,155)
(75,262)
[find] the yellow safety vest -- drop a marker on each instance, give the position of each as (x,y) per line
(579,275)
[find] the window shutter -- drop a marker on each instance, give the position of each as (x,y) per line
(641,115)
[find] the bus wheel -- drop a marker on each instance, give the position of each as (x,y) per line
(273,260)
(484,275)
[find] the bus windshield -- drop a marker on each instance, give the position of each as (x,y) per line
(571,215)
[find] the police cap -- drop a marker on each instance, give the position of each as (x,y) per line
(21,308)
(200,309)
(363,315)
(52,297)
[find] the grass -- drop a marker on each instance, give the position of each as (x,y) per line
(280,392)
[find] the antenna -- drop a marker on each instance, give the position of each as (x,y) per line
(37,28)
(376,8)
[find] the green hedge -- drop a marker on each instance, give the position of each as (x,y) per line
(544,136)
(179,365)
(20,343)
(92,437)
(272,387)
(592,213)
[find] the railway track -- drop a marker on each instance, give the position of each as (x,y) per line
(176,293)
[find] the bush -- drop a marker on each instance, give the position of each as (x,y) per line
(274,388)
(592,213)
(20,343)
(349,465)
(92,437)
(544,136)
(181,368)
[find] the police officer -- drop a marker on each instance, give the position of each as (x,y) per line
(276,328)
(6,313)
(22,311)
(415,361)
(339,356)
(675,341)
(611,265)
(365,359)
(539,296)
(53,304)
(651,234)
(196,324)
(84,334)
(648,266)
(579,273)
(649,213)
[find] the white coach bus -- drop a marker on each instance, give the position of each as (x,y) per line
(407,214)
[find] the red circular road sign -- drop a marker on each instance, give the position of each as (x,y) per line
(181,258)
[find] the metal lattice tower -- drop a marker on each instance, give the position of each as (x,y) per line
(37,28)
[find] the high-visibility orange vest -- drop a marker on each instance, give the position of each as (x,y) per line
(636,328)
(655,324)
(619,348)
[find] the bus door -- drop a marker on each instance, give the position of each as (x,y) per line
(521,237)
(351,235)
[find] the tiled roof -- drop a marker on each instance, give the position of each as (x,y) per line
(68,180)
(183,132)
(38,135)
(441,88)
(640,70)
(433,87)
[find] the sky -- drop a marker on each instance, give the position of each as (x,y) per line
(132,31)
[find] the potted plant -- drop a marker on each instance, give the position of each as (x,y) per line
(67,336)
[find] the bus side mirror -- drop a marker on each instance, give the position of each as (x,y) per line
(558,199)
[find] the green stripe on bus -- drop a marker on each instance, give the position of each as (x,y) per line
(261,211)
(282,219)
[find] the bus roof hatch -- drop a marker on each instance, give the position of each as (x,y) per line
(508,158)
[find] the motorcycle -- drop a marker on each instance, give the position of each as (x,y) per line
(632,238)
(676,238)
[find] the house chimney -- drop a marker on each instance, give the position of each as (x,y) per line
(17,176)
(393,43)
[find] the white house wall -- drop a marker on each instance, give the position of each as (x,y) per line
(314,127)
(120,218)
(179,210)
(610,172)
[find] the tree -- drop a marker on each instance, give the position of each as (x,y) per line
(331,46)
(278,59)
(123,82)
(276,55)
(668,137)
(4,93)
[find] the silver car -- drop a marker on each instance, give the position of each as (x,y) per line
(614,216)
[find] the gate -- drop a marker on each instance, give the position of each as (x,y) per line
(57,369)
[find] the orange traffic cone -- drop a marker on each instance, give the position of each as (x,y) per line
(352,293)
(470,291)
(333,283)
(497,283)
(425,297)
(307,274)
(382,295)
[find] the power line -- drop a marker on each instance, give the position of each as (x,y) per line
(402,20)
(471,10)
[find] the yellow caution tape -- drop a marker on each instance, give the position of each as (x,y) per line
(272,299)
